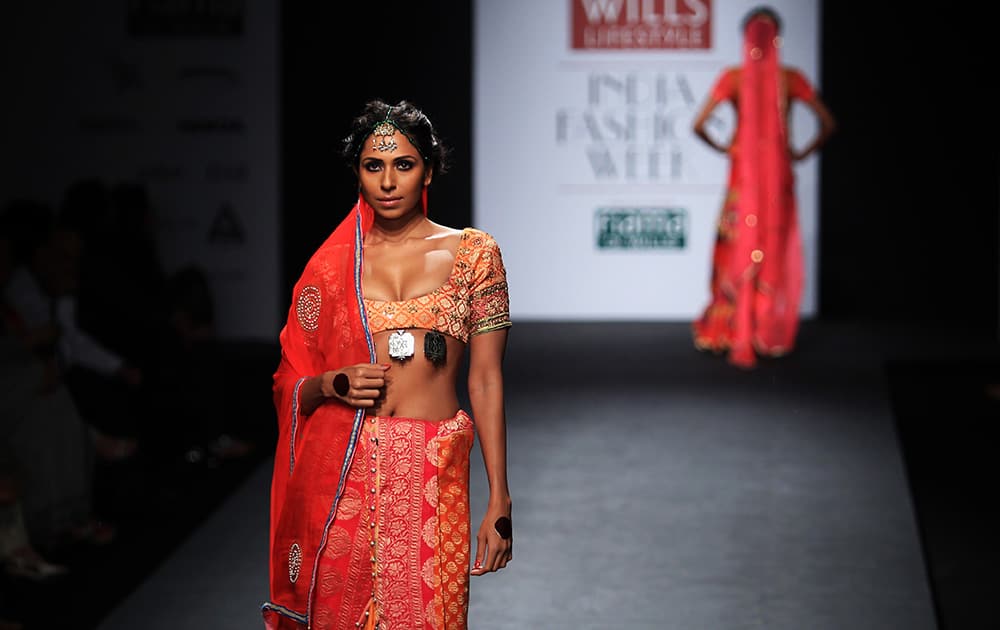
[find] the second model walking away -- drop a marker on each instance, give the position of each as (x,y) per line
(757,276)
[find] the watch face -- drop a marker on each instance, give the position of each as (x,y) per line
(401,345)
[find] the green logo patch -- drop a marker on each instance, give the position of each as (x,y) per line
(641,228)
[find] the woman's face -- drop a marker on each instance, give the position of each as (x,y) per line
(392,180)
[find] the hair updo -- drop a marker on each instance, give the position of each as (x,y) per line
(412,122)
(764,11)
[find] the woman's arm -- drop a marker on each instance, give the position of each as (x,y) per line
(700,122)
(723,89)
(486,352)
(802,91)
(356,385)
(827,125)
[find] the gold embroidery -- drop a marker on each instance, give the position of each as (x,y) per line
(476,292)
(411,570)
(338,544)
(431,491)
(399,593)
(350,504)
(330,583)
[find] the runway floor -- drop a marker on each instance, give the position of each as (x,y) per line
(654,487)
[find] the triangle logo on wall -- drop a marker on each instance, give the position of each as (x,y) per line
(227,227)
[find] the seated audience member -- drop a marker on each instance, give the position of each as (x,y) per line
(40,295)
(44,444)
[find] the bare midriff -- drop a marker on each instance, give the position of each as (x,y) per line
(416,387)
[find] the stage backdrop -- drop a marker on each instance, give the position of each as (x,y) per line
(177,95)
(586,170)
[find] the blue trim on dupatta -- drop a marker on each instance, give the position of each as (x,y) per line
(359,415)
(295,423)
(285,612)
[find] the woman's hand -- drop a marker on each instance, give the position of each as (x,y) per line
(359,385)
(495,541)
(797,155)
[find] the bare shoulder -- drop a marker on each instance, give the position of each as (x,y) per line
(444,237)
(443,231)
(467,233)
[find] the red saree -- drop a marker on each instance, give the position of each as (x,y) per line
(756,281)
(369,515)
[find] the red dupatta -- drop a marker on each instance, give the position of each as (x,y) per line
(326,329)
(766,262)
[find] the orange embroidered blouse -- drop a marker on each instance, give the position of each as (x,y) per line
(473,300)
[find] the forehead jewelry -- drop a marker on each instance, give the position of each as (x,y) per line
(382,135)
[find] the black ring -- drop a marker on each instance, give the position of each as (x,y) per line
(504,528)
(341,384)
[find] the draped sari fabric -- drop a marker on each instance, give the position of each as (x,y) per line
(325,330)
(398,551)
(369,515)
(756,280)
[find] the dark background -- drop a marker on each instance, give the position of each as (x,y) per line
(908,216)
(909,201)
(909,184)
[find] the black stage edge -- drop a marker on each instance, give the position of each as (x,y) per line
(947,415)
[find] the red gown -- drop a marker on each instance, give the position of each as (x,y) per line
(757,276)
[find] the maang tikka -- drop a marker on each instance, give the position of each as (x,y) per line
(382,135)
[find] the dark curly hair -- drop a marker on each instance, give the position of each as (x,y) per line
(761,10)
(408,119)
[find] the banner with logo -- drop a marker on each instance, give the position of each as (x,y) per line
(178,96)
(586,169)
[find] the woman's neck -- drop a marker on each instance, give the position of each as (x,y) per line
(412,225)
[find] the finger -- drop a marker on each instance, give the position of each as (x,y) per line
(507,556)
(499,554)
(365,392)
(477,567)
(356,371)
(489,562)
(369,383)
(501,558)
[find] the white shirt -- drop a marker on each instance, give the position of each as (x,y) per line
(75,347)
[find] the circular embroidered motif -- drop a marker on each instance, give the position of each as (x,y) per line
(338,544)
(294,562)
(307,307)
(349,506)
(330,583)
